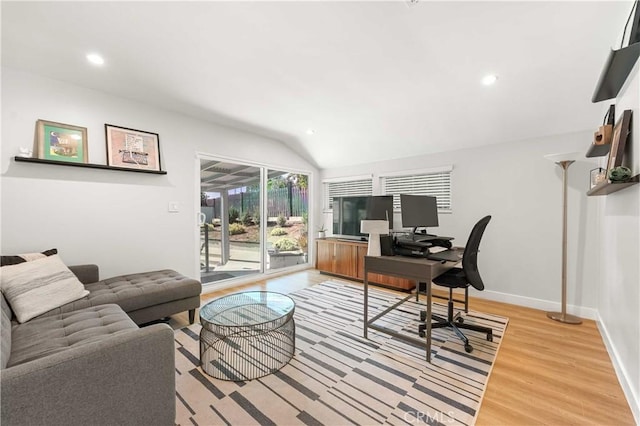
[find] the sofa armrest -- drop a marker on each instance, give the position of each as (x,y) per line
(87,274)
(128,378)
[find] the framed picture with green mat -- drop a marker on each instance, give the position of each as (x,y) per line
(61,142)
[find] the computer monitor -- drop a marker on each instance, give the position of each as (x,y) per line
(418,211)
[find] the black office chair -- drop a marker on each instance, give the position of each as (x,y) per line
(462,278)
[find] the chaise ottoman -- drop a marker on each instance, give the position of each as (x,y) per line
(145,297)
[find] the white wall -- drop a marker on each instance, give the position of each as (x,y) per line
(619,252)
(520,257)
(119,220)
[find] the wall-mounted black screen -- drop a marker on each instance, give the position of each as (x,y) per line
(349,211)
(418,211)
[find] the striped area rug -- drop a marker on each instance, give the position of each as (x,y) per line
(337,377)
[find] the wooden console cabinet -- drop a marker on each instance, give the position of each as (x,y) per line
(346,259)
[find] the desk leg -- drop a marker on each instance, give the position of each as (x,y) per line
(366,301)
(428,320)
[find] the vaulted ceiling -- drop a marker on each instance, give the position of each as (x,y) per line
(372,80)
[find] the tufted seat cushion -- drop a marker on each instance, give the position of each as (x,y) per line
(41,337)
(134,292)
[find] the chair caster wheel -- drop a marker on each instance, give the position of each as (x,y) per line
(423,315)
(468,348)
(490,337)
(460,320)
(421,330)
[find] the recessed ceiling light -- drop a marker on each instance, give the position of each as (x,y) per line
(95,59)
(490,79)
(310,131)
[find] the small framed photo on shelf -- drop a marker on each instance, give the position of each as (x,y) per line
(132,149)
(597,176)
(620,134)
(61,142)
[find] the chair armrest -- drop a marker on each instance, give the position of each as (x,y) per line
(127,378)
(86,273)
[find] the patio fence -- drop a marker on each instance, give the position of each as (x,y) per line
(288,201)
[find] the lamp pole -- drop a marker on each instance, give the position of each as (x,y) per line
(563,316)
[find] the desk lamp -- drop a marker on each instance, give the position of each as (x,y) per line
(374,228)
(564,160)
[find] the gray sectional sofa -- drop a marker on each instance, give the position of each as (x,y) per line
(88,362)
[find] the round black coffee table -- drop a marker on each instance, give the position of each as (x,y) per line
(247,335)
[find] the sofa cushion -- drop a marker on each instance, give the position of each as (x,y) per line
(46,336)
(25,257)
(136,291)
(35,287)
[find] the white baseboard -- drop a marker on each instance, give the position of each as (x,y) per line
(632,398)
(530,302)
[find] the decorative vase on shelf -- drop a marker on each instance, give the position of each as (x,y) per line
(619,174)
(321,234)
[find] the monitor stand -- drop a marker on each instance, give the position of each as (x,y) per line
(421,235)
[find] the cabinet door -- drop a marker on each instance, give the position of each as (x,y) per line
(393,282)
(346,260)
(324,256)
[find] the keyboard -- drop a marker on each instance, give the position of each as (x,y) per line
(448,255)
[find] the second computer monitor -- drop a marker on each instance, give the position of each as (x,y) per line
(418,211)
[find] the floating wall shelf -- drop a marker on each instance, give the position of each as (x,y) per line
(615,72)
(598,150)
(87,165)
(606,187)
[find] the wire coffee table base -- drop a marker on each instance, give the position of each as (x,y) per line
(248,335)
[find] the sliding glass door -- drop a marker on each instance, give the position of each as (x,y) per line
(253,219)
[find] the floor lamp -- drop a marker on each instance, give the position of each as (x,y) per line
(564,161)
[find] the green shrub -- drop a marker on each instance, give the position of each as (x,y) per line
(234,214)
(236,228)
(246,218)
(256,217)
(277,232)
(285,244)
(281,220)
(303,242)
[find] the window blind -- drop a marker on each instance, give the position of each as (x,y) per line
(435,184)
(346,189)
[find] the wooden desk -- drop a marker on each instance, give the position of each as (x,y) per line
(418,269)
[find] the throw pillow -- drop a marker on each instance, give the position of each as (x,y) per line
(33,288)
(25,257)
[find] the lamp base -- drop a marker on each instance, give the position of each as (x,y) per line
(373,248)
(565,318)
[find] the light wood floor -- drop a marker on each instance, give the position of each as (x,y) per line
(546,373)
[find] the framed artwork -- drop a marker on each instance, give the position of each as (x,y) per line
(61,142)
(620,134)
(596,176)
(132,149)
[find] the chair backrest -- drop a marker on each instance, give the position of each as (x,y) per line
(470,255)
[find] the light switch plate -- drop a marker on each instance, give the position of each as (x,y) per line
(174,207)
